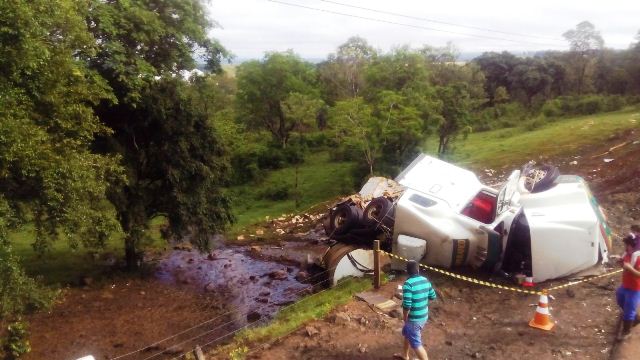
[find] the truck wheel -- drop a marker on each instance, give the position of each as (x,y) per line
(545,183)
(378,211)
(345,217)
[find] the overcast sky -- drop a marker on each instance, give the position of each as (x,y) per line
(249,28)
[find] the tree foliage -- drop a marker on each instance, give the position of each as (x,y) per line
(342,75)
(172,150)
(456,104)
(264,87)
(161,132)
(584,42)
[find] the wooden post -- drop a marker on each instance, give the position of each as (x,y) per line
(376,264)
(198,353)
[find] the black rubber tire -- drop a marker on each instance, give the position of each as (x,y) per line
(326,224)
(378,211)
(547,181)
(344,217)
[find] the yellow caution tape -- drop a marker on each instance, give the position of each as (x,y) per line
(498,286)
(584,280)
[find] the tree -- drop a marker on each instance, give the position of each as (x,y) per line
(354,125)
(530,78)
(387,134)
(402,69)
(496,68)
(342,75)
(175,168)
(402,132)
(584,42)
(49,176)
(633,66)
(455,114)
(264,86)
(175,164)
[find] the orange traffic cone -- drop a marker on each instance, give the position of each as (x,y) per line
(542,318)
(528,282)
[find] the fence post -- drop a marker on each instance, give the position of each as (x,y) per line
(376,264)
(198,353)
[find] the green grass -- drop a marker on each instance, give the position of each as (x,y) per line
(319,180)
(289,319)
(517,145)
(63,264)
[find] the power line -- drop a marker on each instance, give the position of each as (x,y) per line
(254,323)
(441,22)
(248,311)
(235,309)
(408,25)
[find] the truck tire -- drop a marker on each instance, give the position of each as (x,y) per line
(378,211)
(344,218)
(551,174)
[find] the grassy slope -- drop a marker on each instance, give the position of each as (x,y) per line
(517,145)
(62,264)
(319,180)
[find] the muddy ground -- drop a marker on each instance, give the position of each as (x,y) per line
(116,317)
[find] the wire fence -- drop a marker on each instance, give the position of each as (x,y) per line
(214,341)
(237,310)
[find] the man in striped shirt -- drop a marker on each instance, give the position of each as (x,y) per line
(416,293)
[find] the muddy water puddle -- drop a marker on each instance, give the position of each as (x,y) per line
(251,278)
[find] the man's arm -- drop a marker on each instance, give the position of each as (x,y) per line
(407,300)
(627,266)
(431,294)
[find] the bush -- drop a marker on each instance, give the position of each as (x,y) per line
(535,123)
(552,108)
(317,139)
(500,116)
(615,102)
(18,292)
(590,105)
(277,191)
(582,105)
(17,343)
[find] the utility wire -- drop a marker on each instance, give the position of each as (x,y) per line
(409,25)
(234,309)
(247,325)
(232,321)
(440,21)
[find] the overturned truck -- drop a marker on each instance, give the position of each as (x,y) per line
(539,224)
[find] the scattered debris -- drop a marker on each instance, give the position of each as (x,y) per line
(340,318)
(608,160)
(302,276)
(278,274)
(311,331)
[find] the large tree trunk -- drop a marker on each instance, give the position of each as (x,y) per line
(130,253)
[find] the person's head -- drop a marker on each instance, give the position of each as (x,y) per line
(630,241)
(413,268)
